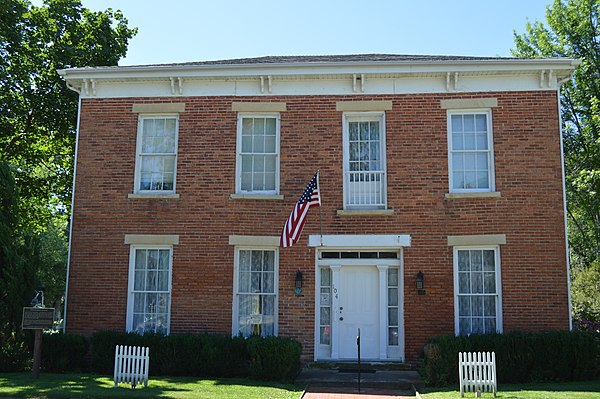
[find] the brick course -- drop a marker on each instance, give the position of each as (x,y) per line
(530,211)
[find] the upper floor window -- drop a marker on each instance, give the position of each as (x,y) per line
(364,161)
(149,299)
(258,154)
(471,152)
(156,154)
(477,285)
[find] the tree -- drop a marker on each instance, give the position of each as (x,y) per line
(573,30)
(38,115)
(37,111)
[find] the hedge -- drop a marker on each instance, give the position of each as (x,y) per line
(204,354)
(520,357)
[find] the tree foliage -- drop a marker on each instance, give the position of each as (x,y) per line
(37,111)
(38,115)
(573,30)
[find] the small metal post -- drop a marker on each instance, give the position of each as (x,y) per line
(37,354)
(358,347)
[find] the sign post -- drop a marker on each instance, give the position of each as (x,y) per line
(37,319)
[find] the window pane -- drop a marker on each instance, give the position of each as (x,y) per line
(463,261)
(271,126)
(393,336)
(139,303)
(457,125)
(477,283)
(247,126)
(325,297)
(480,122)
(477,325)
(139,281)
(244,260)
(458,180)
(457,141)
(464,283)
(393,316)
(393,277)
(255,283)
(392,296)
(269,282)
(489,260)
(464,305)
(457,161)
(246,181)
(364,130)
(464,325)
(258,144)
(325,277)
(325,335)
(163,281)
(477,306)
(151,281)
(469,123)
(490,325)
(257,257)
(325,316)
(489,305)
(374,130)
(244,281)
(489,284)
(481,141)
(353,131)
(140,259)
(269,260)
(246,143)
(476,260)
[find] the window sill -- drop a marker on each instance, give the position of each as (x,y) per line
(257,196)
(152,196)
(487,194)
(365,212)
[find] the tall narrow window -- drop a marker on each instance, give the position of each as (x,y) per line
(258,154)
(364,161)
(325,307)
(477,287)
(149,290)
(393,310)
(156,154)
(471,155)
(256,296)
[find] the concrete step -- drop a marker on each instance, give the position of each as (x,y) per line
(370,378)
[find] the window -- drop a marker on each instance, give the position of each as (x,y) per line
(364,161)
(325,307)
(477,287)
(471,154)
(149,301)
(393,307)
(156,154)
(255,299)
(258,154)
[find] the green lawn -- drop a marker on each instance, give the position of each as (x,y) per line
(566,390)
(91,386)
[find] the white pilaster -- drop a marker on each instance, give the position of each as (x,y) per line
(382,311)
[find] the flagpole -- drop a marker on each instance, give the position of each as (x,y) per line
(320,211)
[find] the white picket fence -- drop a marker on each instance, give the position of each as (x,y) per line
(131,365)
(477,372)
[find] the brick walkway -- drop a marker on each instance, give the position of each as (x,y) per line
(352,393)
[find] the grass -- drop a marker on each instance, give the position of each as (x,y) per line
(92,386)
(550,390)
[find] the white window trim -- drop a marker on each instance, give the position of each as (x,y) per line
(363,117)
(132,249)
(236,270)
(496,248)
(138,149)
(238,151)
(491,173)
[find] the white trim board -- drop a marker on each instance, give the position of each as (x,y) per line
(359,240)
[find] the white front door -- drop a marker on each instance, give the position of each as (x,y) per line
(358,301)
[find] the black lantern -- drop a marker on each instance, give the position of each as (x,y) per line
(420,283)
(298,285)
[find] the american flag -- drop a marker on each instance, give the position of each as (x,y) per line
(295,223)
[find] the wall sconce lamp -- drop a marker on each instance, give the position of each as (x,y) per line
(420,283)
(298,283)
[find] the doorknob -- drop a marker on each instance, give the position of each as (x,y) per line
(341,318)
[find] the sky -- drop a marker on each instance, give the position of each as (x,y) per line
(186,30)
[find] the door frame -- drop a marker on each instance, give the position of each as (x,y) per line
(346,243)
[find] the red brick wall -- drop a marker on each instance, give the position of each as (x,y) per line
(529,211)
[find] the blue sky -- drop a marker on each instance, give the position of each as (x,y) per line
(188,30)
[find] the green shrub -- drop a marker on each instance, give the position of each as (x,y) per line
(64,352)
(203,354)
(520,357)
(14,353)
(274,358)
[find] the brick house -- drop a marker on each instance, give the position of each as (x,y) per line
(443,207)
